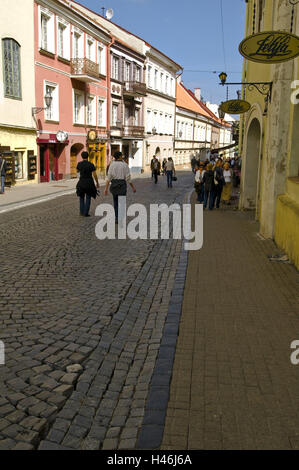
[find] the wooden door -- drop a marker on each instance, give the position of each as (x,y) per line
(73,165)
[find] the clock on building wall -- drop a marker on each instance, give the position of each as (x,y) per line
(92,135)
(61,136)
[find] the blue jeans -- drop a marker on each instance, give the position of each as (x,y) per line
(201,194)
(85,204)
(209,195)
(169,178)
(2,184)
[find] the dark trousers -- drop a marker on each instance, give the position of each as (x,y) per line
(217,194)
(155,173)
(85,204)
(208,196)
(169,178)
(201,194)
(115,202)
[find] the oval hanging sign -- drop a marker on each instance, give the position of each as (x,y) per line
(235,106)
(270,47)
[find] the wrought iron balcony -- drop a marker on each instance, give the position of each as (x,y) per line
(84,69)
(133,131)
(134,89)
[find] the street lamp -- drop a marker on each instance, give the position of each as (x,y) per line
(223,77)
(48,100)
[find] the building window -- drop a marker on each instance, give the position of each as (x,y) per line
(149,76)
(127,71)
(44,32)
(156,80)
(136,116)
(149,121)
(11,68)
(76,45)
(138,74)
(61,29)
(101,113)
(172,90)
(114,114)
(115,68)
(89,50)
(166,85)
(161,81)
(91,115)
(52,111)
(78,108)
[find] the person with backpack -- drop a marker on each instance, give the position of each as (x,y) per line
(118,176)
(2,173)
(156,167)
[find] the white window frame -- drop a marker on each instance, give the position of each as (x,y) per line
(91,48)
(50,41)
(103,122)
(113,115)
(81,113)
(80,35)
(91,117)
(149,76)
(115,66)
(51,113)
(66,53)
(101,58)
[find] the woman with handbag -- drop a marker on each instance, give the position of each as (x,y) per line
(170,172)
(118,176)
(198,183)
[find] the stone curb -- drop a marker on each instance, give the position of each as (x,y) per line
(152,429)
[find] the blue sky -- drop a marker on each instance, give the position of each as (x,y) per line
(190,32)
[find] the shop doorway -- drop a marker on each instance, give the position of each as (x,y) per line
(48,163)
(251,183)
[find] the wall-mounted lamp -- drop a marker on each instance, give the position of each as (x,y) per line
(48,101)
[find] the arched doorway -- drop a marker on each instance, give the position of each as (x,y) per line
(75,149)
(252,163)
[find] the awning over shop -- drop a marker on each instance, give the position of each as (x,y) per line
(224,148)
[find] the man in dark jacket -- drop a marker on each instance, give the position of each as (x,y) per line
(86,188)
(2,173)
(208,181)
(218,174)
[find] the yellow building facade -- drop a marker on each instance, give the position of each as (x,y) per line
(269,133)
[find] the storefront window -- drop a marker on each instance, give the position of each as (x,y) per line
(19,165)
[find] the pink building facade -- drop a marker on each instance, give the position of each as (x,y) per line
(72,76)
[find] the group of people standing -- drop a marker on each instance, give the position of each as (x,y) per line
(168,170)
(213,183)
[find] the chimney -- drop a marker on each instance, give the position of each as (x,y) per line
(197,93)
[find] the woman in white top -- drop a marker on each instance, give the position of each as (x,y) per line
(199,186)
(170,171)
(228,187)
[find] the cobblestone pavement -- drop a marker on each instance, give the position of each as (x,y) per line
(233,384)
(68,298)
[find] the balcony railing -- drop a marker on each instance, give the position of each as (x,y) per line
(84,69)
(133,131)
(134,89)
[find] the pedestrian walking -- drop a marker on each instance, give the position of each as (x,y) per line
(208,180)
(2,174)
(228,187)
(163,166)
(193,163)
(86,189)
(170,172)
(118,176)
(198,183)
(156,167)
(218,183)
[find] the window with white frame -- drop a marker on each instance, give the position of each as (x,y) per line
(91,110)
(78,45)
(166,84)
(136,117)
(155,122)
(156,80)
(149,120)
(115,68)
(161,82)
(138,74)
(79,110)
(114,114)
(101,112)
(63,39)
(46,29)
(161,124)
(127,115)
(91,49)
(172,89)
(52,111)
(102,59)
(149,76)
(170,129)
(178,128)
(127,71)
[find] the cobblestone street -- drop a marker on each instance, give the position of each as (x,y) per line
(68,298)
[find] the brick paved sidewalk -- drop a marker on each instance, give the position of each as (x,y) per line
(233,386)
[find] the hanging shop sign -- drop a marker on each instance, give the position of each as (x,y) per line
(235,106)
(270,47)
